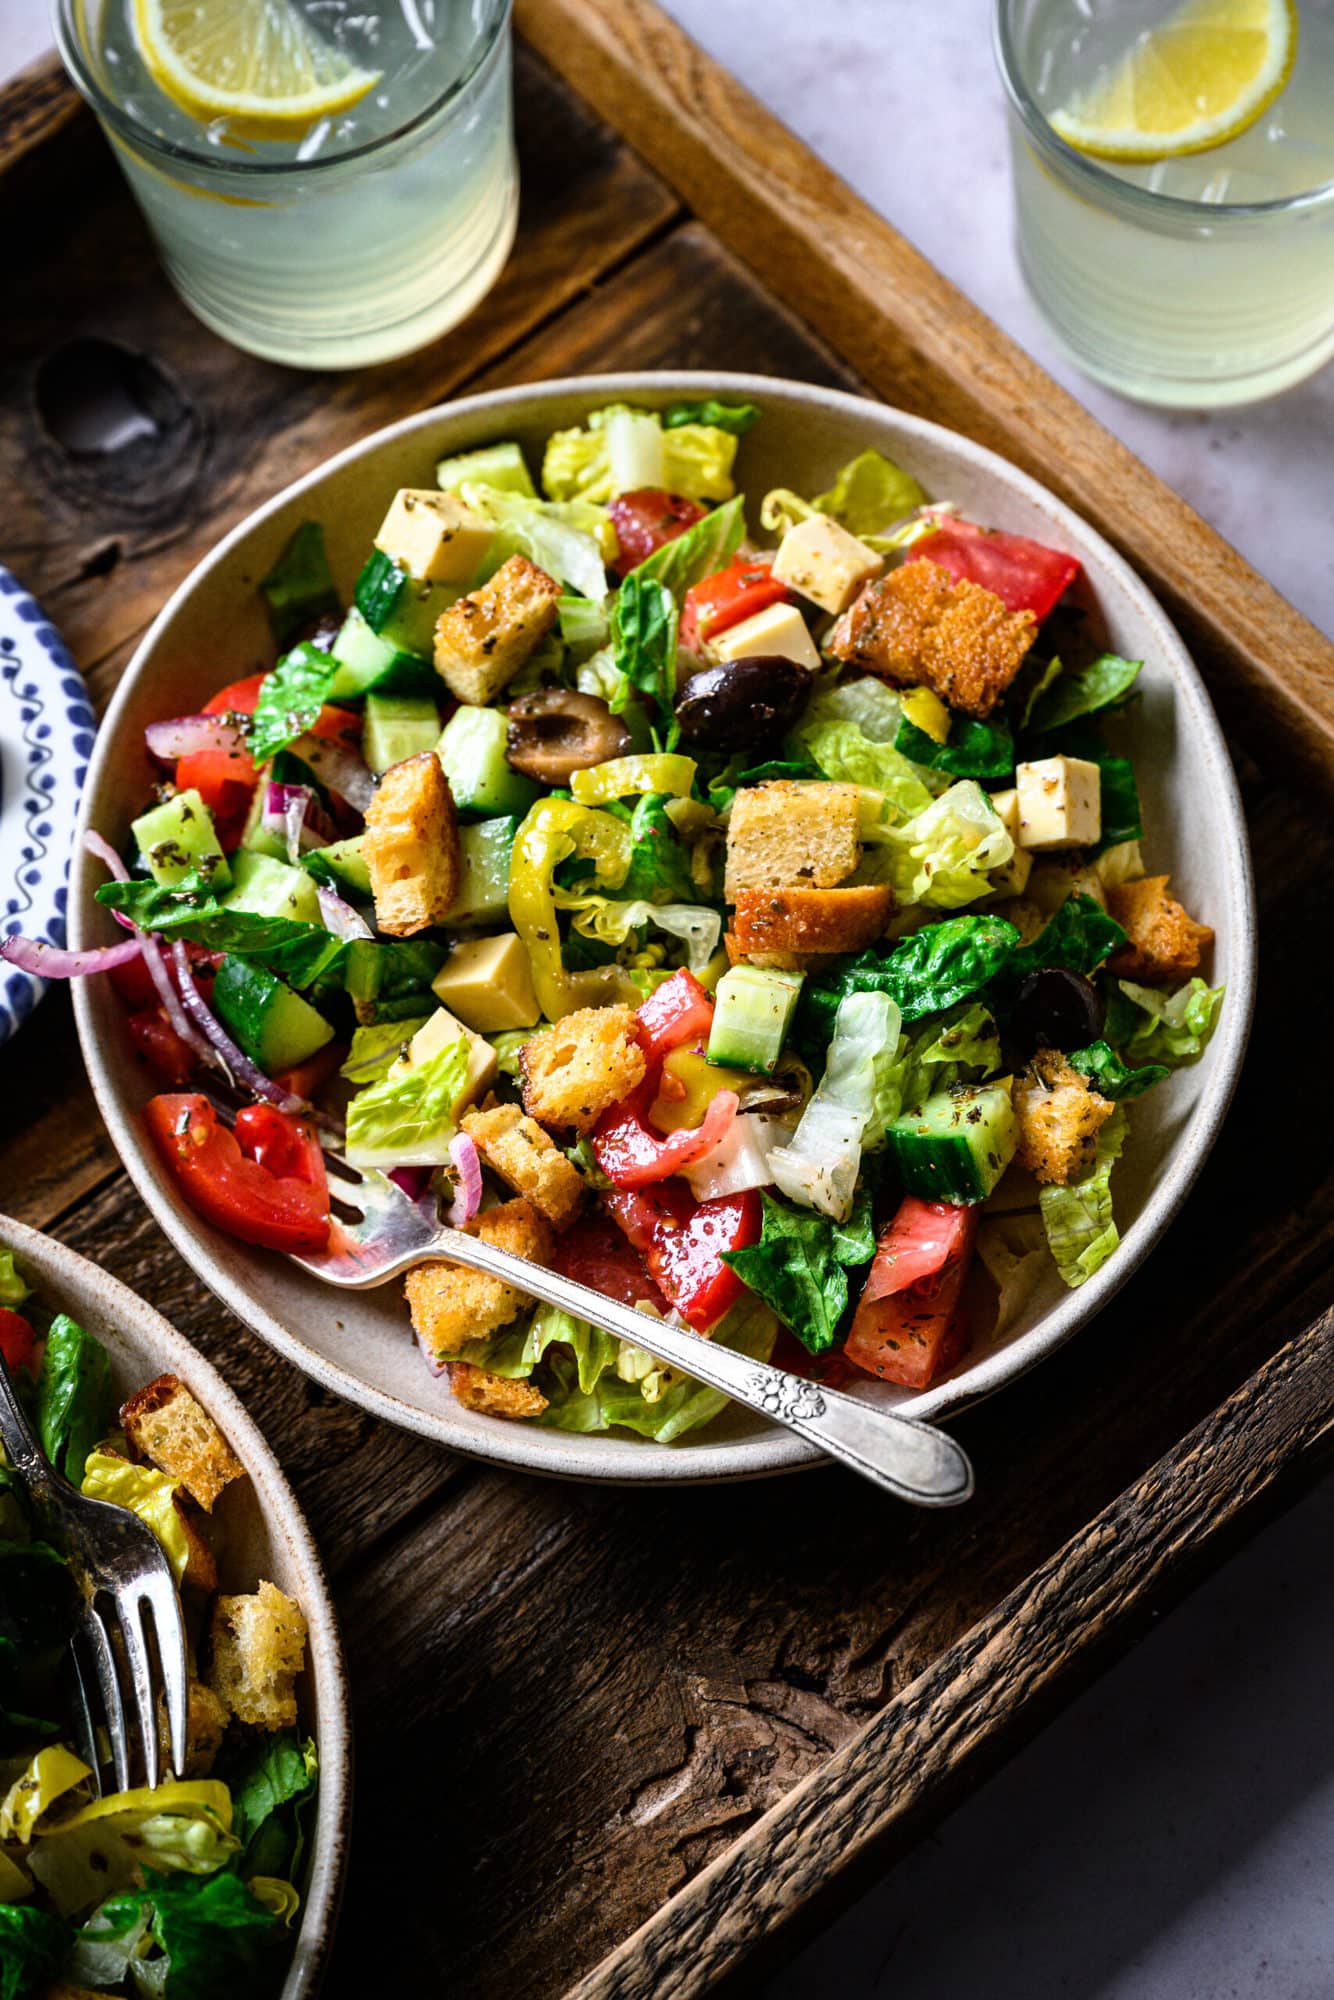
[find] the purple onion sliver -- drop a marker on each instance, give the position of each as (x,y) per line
(413,1181)
(49,961)
(340,917)
(468,1192)
(106,853)
(341,769)
(171,999)
(187,735)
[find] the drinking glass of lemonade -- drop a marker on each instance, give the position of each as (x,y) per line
(330,182)
(1174,188)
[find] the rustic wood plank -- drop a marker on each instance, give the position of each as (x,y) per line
(923,346)
(36,106)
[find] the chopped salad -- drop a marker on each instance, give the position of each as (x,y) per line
(737,903)
(188,1889)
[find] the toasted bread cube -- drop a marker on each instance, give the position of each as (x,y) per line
(1012,879)
(451,1305)
(769,921)
(777,631)
(258,1648)
(488,982)
(1060,803)
(201,1565)
(411,846)
(821,561)
(483,640)
(172,1431)
(1060,1115)
(581,1067)
(435,537)
(1163,942)
(494,1395)
(792,834)
(917,627)
(205,1727)
(515,1147)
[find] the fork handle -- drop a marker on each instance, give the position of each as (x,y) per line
(912,1460)
(22,1450)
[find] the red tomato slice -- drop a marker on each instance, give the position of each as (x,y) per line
(645,519)
(632,1154)
(159,1048)
(287,1147)
(1026,576)
(134,982)
(682,1242)
(594,1252)
(746,586)
(235,1194)
(674,1012)
(17,1339)
(907,1327)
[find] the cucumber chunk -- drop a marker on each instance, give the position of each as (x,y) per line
(177,839)
(472,750)
(751,1016)
(956,1145)
(396,726)
(366,660)
(341,866)
(499,465)
(270,888)
(274,1026)
(484,883)
(398,609)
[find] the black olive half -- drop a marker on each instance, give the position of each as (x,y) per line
(554,732)
(1056,1009)
(742,704)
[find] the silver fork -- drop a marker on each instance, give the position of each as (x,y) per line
(912,1460)
(121,1574)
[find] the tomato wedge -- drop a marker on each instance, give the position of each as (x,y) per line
(746,586)
(682,1241)
(17,1339)
(646,518)
(674,1012)
(908,1327)
(595,1253)
(285,1146)
(235,1194)
(1026,576)
(164,1053)
(632,1154)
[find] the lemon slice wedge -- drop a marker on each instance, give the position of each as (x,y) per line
(1202,77)
(256,63)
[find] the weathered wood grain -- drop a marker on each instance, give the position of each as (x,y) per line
(924,346)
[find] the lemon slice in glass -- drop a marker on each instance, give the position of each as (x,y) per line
(256,63)
(1202,77)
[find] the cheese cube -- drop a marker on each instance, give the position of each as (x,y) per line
(1060,803)
(489,984)
(822,561)
(432,1036)
(435,537)
(778,631)
(1012,879)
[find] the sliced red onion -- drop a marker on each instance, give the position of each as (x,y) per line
(107,855)
(152,953)
(340,917)
(48,961)
(341,769)
(468,1190)
(237,1064)
(414,1181)
(294,812)
(186,735)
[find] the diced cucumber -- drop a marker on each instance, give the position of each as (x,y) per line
(274,1026)
(177,838)
(341,865)
(396,726)
(400,610)
(484,881)
(365,661)
(956,1145)
(269,888)
(391,981)
(500,465)
(751,1016)
(472,750)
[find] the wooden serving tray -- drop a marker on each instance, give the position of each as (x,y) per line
(611,1742)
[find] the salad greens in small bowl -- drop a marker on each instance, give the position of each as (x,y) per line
(226,1874)
(749,848)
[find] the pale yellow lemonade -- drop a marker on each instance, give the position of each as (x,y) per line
(1177,304)
(383,224)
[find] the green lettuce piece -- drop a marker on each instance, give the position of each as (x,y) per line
(1081,1229)
(33,1947)
(973,750)
(1110,1076)
(611,922)
(923,974)
(643,637)
(407,1118)
(709,546)
(876,708)
(800,1265)
(375,1049)
(216,1937)
(730,780)
(840,750)
(870,494)
(1171,1028)
(961,1044)
(290,700)
(300,585)
(944,855)
(659,868)
(516,1352)
(277,1776)
(694,459)
(734,417)
(1103,683)
(855,1102)
(507,1045)
(583,624)
(1028,687)
(74,1396)
(566,543)
(13,1291)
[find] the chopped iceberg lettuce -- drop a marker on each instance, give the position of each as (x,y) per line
(1081,1229)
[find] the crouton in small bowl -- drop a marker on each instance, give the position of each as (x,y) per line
(795,892)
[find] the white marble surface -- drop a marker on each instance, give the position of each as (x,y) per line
(1172,1836)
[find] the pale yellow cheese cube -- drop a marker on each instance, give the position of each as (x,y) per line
(435,537)
(1060,803)
(780,631)
(489,984)
(432,1036)
(1012,879)
(822,561)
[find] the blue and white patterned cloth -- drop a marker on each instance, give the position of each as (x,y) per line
(46,735)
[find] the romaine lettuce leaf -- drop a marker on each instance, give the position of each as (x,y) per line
(13,1291)
(1103,683)
(734,417)
(376,1049)
(974,749)
(566,547)
(961,1044)
(1110,1076)
(407,1118)
(695,459)
(870,494)
(800,1265)
(183,1825)
(300,586)
(1013,1249)
(944,855)
(843,752)
(924,973)
(857,1098)
(678,1404)
(643,636)
(1078,938)
(1172,1028)
(33,1948)
(1081,1229)
(276,1776)
(216,1937)
(700,551)
(146,1492)
(290,700)
(74,1396)
(699,929)
(659,870)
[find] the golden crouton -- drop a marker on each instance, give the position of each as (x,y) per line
(769,921)
(1060,1115)
(258,1646)
(1163,942)
(483,640)
(451,1305)
(411,846)
(791,834)
(578,1069)
(917,627)
(494,1395)
(515,1147)
(172,1431)
(201,1565)
(205,1727)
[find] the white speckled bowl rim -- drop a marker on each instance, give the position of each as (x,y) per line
(143,1344)
(1200,833)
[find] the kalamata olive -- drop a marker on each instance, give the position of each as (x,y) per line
(320,631)
(742,704)
(555,732)
(1056,1009)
